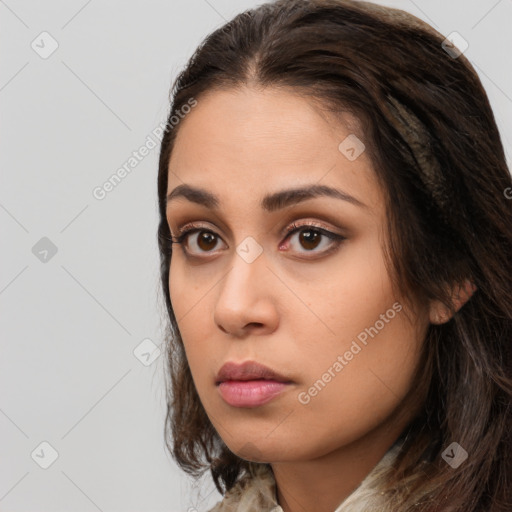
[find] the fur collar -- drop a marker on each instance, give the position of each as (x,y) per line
(257,493)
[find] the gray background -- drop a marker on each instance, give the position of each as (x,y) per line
(71,321)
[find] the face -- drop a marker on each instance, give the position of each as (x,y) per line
(297,283)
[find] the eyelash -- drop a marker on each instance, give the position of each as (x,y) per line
(292,229)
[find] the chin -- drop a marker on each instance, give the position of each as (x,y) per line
(266,451)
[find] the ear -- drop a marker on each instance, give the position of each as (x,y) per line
(460,294)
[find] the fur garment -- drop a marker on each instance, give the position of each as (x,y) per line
(258,493)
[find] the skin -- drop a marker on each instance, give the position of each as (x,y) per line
(294,309)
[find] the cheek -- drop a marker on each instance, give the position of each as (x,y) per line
(188,292)
(184,291)
(346,296)
(174,283)
(362,362)
(184,300)
(348,397)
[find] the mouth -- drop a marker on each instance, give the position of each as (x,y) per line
(249,384)
(250,393)
(248,371)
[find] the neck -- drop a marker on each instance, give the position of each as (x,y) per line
(323,483)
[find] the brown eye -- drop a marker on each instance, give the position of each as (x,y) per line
(309,239)
(206,240)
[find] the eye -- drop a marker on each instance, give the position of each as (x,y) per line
(205,242)
(311,236)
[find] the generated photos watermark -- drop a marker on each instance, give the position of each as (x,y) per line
(152,141)
(304,397)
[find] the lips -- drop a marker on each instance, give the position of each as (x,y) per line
(249,370)
(250,384)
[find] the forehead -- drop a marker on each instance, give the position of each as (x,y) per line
(258,140)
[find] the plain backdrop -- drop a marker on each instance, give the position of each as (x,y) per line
(82,86)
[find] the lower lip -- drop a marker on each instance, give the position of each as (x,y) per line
(250,393)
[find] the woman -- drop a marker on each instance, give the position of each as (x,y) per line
(335,241)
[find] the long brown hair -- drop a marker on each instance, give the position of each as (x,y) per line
(362,58)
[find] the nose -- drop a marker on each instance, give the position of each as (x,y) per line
(246,301)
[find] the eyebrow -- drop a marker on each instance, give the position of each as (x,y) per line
(271,202)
